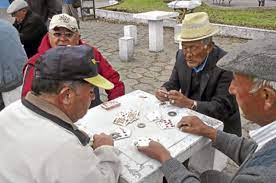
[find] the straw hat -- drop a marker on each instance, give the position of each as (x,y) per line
(196,26)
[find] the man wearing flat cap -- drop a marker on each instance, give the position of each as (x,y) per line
(29,25)
(254,85)
(39,140)
(196,82)
(63,30)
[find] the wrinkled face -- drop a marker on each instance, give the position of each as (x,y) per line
(195,52)
(61,36)
(19,15)
(251,104)
(83,94)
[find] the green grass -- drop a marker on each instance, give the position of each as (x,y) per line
(250,17)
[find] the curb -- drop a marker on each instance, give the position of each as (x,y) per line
(225,30)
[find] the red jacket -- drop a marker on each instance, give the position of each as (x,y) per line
(104,68)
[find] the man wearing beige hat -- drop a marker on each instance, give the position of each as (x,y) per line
(196,82)
(63,30)
(254,85)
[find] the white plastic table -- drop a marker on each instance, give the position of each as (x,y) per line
(155,21)
(138,168)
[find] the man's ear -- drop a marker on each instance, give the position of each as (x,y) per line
(65,96)
(209,47)
(269,96)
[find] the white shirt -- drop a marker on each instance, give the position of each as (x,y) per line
(264,134)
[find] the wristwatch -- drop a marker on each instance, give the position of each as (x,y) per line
(194,106)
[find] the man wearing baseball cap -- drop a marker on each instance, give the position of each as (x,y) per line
(63,30)
(39,140)
(196,82)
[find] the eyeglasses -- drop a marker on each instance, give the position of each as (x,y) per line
(192,49)
(67,35)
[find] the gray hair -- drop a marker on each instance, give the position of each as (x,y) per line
(206,40)
(259,83)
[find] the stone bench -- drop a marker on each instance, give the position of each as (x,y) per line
(155,21)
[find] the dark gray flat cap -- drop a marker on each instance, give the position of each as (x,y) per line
(256,58)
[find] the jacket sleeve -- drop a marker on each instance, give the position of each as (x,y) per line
(106,70)
(76,163)
(32,30)
(236,148)
(28,75)
(173,83)
(175,172)
(222,104)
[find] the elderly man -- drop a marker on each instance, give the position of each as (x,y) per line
(12,59)
(45,8)
(39,141)
(254,86)
(29,25)
(204,86)
(63,30)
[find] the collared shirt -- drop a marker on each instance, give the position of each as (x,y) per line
(264,134)
(200,67)
(49,108)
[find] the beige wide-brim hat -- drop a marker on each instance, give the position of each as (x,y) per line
(196,26)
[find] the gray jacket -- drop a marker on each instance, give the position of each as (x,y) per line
(12,58)
(255,167)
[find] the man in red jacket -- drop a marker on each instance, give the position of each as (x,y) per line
(63,30)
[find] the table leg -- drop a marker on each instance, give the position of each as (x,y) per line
(156,35)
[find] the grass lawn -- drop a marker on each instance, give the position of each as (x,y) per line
(250,17)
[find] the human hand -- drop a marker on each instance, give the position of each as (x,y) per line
(156,151)
(102,139)
(176,98)
(162,94)
(192,124)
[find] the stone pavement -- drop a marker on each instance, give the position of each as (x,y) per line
(147,71)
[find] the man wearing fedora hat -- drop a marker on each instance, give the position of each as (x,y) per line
(39,139)
(204,86)
(254,85)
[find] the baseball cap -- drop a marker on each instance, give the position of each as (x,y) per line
(66,63)
(64,20)
(16,5)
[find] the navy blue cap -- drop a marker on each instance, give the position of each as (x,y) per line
(70,63)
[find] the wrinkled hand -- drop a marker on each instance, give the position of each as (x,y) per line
(161,95)
(156,151)
(176,98)
(102,139)
(192,124)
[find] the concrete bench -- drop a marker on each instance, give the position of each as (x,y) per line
(155,21)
